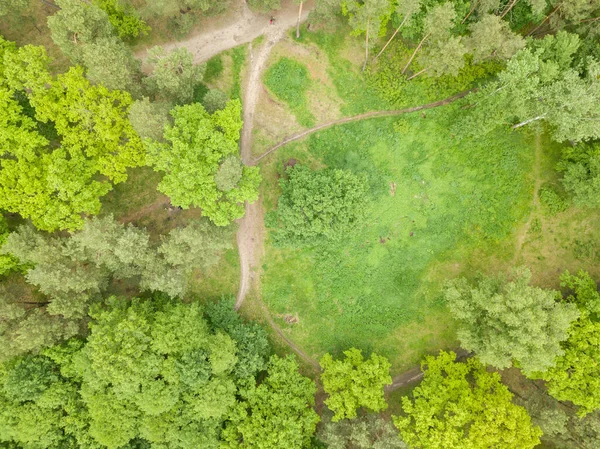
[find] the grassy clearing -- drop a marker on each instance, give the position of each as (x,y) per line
(350,84)
(431,194)
(238,57)
(289,80)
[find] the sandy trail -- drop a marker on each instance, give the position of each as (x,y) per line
(240,27)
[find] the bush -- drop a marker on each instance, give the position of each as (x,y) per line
(289,80)
(318,204)
(214,100)
(552,201)
(581,167)
(214,68)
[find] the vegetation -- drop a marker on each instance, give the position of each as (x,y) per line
(354,382)
(480,406)
(394,234)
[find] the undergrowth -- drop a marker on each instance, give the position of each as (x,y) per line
(238,57)
(288,80)
(432,194)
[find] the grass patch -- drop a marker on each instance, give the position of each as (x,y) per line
(214,68)
(430,194)
(288,80)
(238,57)
(349,82)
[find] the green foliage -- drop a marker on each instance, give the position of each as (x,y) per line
(214,100)
(580,165)
(198,143)
(238,56)
(53,180)
(365,432)
(551,200)
(354,382)
(461,405)
(506,322)
(29,377)
(288,80)
(229,174)
(214,68)
(277,414)
(124,18)
(576,375)
(11,6)
(317,205)
(7,262)
(491,38)
(431,195)
(265,5)
(173,75)
(149,118)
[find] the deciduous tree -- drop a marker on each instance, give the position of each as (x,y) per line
(492,38)
(506,322)
(462,406)
(353,382)
(364,432)
(580,165)
(197,145)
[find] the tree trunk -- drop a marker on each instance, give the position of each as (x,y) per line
(366,45)
(518,125)
(414,53)
(298,23)
(416,74)
(513,3)
(390,39)
(470,12)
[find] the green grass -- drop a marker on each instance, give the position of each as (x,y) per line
(289,80)
(238,57)
(372,290)
(351,85)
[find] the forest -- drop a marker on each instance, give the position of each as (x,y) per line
(299,224)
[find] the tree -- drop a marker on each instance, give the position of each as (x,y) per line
(369,17)
(365,432)
(10,6)
(315,205)
(214,100)
(51,158)
(198,144)
(405,9)
(354,382)
(7,262)
(576,374)
(580,165)
(539,84)
(149,118)
(443,57)
(326,11)
(462,406)
(277,414)
(436,24)
(124,18)
(492,38)
(265,5)
(173,75)
(506,322)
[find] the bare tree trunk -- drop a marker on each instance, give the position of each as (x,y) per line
(470,12)
(415,52)
(544,21)
(298,23)
(417,74)
(367,45)
(390,39)
(513,3)
(518,125)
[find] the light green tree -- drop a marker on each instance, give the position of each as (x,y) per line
(354,382)
(276,414)
(506,322)
(149,118)
(197,145)
(463,406)
(406,9)
(492,38)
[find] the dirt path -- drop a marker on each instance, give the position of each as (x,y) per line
(522,234)
(250,235)
(356,118)
(242,27)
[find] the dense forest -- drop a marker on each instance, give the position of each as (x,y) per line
(265,224)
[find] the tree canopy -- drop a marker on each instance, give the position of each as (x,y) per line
(505,322)
(197,145)
(354,382)
(462,406)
